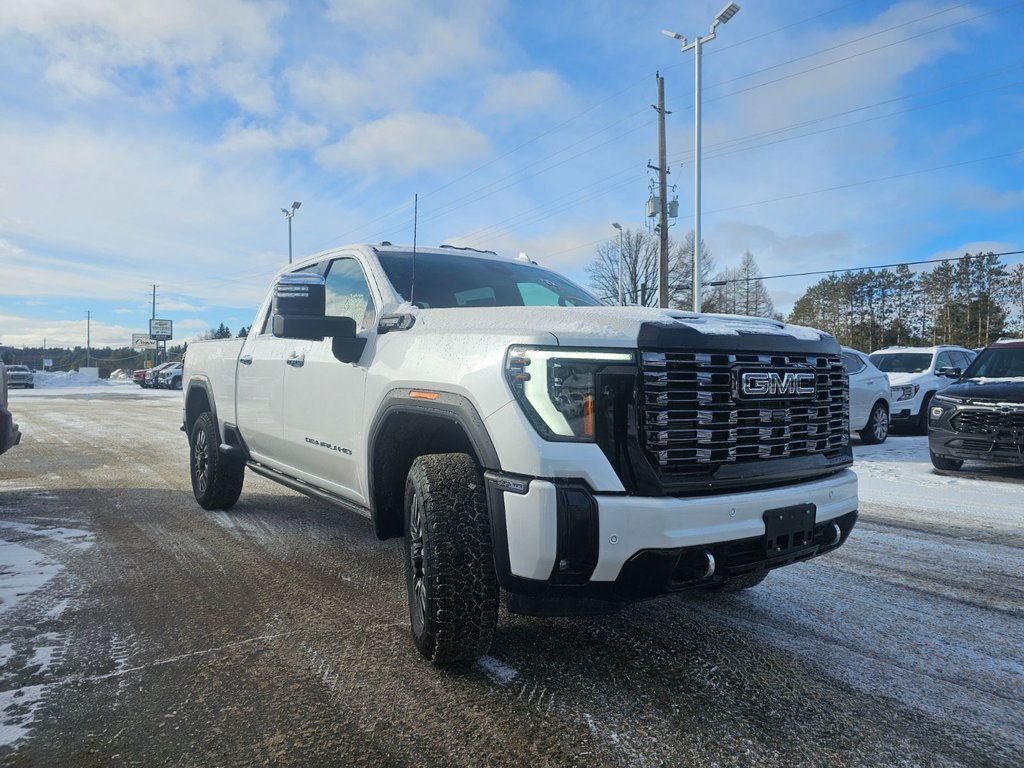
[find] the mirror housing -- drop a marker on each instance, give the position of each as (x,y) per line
(300,293)
(313,328)
(299,307)
(950,372)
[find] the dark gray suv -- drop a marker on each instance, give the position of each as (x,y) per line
(981,415)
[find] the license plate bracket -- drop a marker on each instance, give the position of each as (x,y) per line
(788,529)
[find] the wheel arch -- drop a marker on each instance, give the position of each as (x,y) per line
(199,399)
(404,428)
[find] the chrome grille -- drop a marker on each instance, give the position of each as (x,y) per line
(987,422)
(693,419)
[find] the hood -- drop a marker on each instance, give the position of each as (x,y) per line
(1010,390)
(898,379)
(630,327)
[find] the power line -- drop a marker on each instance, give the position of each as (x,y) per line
(862,269)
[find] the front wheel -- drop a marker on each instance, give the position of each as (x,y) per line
(922,418)
(449,564)
(877,428)
(216,480)
(945,463)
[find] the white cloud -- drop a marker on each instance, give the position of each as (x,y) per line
(523,92)
(383,68)
(241,136)
(987,198)
(90,46)
(406,143)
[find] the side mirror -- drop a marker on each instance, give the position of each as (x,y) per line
(950,372)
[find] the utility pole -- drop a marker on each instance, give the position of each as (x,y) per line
(663,195)
(153,316)
(88,339)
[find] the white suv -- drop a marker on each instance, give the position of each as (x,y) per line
(917,373)
(869,397)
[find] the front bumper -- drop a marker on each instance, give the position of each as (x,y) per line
(1006,447)
(572,551)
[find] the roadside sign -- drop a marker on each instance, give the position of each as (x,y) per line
(47,362)
(141,341)
(160,330)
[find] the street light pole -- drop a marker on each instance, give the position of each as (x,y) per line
(290,214)
(618,226)
(723,16)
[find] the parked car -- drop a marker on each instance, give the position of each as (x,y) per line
(139,376)
(869,397)
(915,375)
(20,376)
(981,415)
(10,436)
(153,373)
(170,377)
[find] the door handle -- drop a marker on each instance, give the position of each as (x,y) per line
(245,359)
(296,361)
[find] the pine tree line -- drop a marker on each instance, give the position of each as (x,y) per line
(971,302)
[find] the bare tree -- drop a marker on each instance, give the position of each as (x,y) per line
(742,291)
(639,269)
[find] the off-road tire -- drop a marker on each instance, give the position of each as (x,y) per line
(945,463)
(216,480)
(449,563)
(922,417)
(877,428)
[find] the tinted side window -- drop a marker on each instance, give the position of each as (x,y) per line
(961,360)
(348,294)
(852,363)
(944,360)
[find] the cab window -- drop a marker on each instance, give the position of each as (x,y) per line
(348,294)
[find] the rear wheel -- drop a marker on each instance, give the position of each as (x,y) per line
(449,565)
(945,463)
(877,428)
(216,480)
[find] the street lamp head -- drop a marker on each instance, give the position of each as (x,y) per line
(617,226)
(285,211)
(674,36)
(296,204)
(727,13)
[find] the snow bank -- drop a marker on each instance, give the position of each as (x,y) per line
(83,378)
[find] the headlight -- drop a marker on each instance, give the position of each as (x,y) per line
(557,388)
(906,392)
(947,400)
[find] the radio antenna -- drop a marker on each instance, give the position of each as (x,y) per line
(415,221)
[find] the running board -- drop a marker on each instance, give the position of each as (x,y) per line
(309,490)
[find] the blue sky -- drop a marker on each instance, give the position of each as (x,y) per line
(152,142)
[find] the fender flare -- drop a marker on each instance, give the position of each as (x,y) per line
(447,405)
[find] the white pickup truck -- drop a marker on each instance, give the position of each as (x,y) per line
(521,436)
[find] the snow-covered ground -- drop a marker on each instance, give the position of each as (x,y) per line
(899,473)
(73,383)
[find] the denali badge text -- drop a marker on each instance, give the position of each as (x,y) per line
(775,384)
(329,446)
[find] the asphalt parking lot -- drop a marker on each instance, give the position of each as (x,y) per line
(137,629)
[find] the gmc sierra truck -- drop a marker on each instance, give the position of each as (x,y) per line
(520,436)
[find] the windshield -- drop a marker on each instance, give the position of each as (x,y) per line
(901,362)
(458,280)
(999,363)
